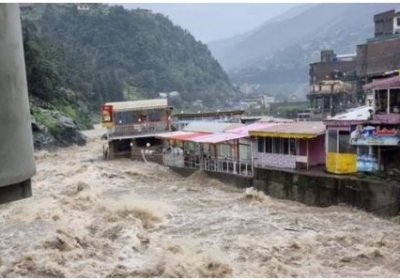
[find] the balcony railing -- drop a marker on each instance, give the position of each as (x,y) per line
(138,129)
(330,88)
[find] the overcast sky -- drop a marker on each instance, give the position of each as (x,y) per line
(208,22)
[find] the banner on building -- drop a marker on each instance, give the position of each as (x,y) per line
(107,116)
(374,136)
(367,162)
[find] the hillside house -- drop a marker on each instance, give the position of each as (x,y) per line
(82,7)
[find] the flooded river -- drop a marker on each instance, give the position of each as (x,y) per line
(91,218)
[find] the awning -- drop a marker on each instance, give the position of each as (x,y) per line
(180,135)
(384,83)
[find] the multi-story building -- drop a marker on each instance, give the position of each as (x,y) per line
(387,23)
(257,101)
(380,54)
(336,81)
(333,84)
(134,124)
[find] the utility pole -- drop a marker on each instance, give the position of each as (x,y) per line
(17,164)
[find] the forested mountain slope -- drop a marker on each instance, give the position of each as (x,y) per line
(108,53)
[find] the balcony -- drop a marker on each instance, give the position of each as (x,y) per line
(132,130)
(331,87)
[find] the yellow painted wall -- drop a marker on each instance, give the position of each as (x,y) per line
(341,163)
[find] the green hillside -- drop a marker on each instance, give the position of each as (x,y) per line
(78,59)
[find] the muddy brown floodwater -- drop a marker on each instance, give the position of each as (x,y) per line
(91,218)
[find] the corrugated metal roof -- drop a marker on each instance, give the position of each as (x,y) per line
(210,127)
(139,104)
(383,83)
(217,138)
(180,135)
(244,130)
(291,130)
(356,114)
(266,119)
(232,134)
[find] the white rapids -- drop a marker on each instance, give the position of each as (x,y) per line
(121,218)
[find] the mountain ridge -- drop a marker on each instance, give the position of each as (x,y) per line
(289,45)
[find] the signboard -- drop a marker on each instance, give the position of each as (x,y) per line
(107,116)
(367,162)
(374,136)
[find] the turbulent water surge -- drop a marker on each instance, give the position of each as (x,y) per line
(91,218)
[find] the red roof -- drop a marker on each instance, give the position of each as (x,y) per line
(383,83)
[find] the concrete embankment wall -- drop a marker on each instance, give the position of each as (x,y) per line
(323,190)
(326,190)
(229,179)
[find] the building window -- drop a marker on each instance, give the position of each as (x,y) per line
(277,148)
(154,115)
(344,146)
(332,141)
(285,143)
(292,146)
(261,144)
(268,145)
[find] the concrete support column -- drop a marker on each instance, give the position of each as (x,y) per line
(388,101)
(17,164)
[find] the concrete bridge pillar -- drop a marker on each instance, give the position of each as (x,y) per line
(17,164)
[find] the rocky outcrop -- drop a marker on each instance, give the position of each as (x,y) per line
(53,129)
(41,137)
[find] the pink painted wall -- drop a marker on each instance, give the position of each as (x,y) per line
(316,149)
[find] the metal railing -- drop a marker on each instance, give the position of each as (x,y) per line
(221,165)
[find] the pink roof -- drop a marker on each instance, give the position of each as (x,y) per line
(181,135)
(231,134)
(217,138)
(383,83)
(244,130)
